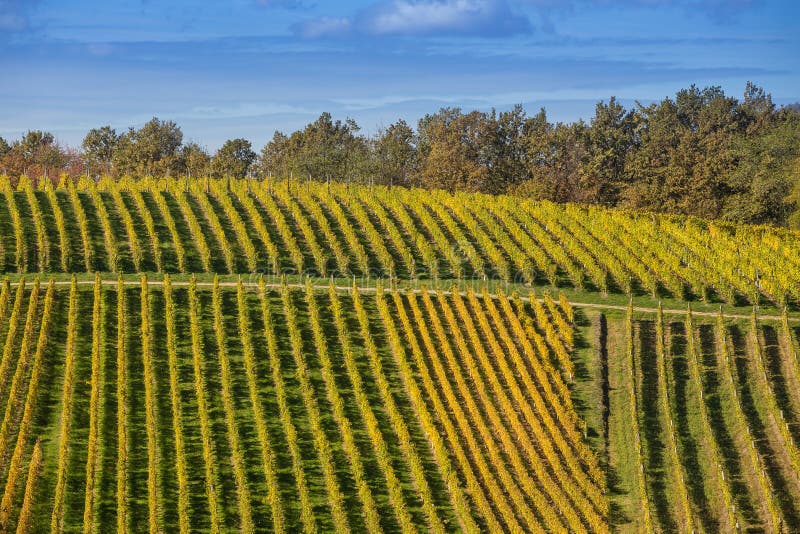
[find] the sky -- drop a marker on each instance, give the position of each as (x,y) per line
(246,68)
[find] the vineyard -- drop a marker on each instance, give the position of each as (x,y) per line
(286,409)
(184,356)
(289,227)
(700,423)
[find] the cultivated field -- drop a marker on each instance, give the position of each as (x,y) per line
(428,375)
(238,226)
(696,417)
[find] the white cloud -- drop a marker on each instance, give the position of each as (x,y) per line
(323,27)
(480,18)
(282,4)
(474,17)
(403,16)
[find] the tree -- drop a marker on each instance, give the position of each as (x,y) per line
(34,154)
(757,108)
(609,139)
(152,150)
(4,147)
(233,159)
(125,158)
(793,200)
(98,149)
(507,150)
(33,143)
(395,154)
(196,161)
(327,149)
(157,143)
(276,157)
(450,151)
(553,156)
(323,149)
(683,154)
(767,168)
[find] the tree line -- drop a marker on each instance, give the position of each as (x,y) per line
(700,153)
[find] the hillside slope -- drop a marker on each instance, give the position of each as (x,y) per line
(697,419)
(364,359)
(311,228)
(242,408)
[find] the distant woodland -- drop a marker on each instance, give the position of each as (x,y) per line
(700,153)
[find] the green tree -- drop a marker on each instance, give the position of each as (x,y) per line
(684,153)
(450,149)
(765,173)
(33,143)
(153,150)
(328,149)
(35,154)
(757,108)
(602,171)
(98,149)
(196,161)
(506,148)
(793,200)
(233,159)
(324,149)
(276,157)
(553,156)
(395,154)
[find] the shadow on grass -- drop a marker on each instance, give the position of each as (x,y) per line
(652,426)
(725,441)
(772,463)
(689,454)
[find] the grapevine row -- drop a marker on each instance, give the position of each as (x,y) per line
(65,426)
(543,478)
(321,443)
(306,511)
(198,366)
(371,515)
(435,440)
(15,465)
(237,461)
(725,359)
(695,367)
(473,235)
(379,444)
(665,408)
(398,423)
(94,454)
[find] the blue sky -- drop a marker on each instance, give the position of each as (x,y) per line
(245,68)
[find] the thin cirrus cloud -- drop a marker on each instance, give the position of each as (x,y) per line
(324,27)
(14,15)
(283,4)
(236,71)
(484,18)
